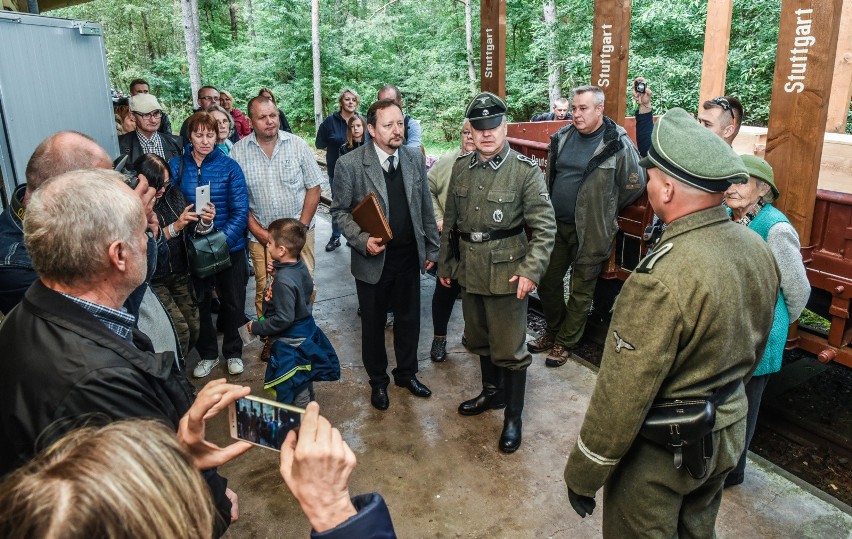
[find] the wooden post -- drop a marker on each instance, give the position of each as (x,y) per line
(841,86)
(807,44)
(717,35)
(492,46)
(610,45)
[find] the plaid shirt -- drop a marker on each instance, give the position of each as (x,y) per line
(119,322)
(155,145)
(277,186)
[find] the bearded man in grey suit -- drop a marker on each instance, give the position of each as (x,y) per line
(388,275)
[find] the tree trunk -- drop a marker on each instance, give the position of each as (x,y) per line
(315,46)
(232,8)
(191,38)
(148,45)
(554,72)
(471,71)
(250,20)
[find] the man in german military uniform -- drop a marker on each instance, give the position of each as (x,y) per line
(494,191)
(710,288)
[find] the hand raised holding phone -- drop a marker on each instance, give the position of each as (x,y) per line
(212,399)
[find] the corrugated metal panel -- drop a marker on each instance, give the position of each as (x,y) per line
(53,77)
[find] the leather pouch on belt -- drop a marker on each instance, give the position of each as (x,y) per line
(685,429)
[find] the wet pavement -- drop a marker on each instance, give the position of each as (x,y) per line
(442,474)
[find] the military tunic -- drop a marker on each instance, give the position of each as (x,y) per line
(710,289)
(502,194)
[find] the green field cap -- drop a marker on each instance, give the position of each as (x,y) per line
(761,170)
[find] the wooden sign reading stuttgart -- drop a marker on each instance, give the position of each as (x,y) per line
(492,46)
(610,45)
(804,63)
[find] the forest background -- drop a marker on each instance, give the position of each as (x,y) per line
(421,46)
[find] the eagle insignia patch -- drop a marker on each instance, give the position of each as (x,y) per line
(621,343)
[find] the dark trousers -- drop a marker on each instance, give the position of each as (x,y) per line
(443,301)
(397,289)
(754,392)
(231,288)
(335,231)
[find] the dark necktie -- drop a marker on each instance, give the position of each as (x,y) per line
(390,164)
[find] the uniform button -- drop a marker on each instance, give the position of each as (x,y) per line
(480,188)
(470,248)
(499,200)
(477,208)
(511,257)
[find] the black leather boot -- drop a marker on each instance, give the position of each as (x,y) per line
(516,384)
(492,396)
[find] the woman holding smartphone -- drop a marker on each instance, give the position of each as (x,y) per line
(203,164)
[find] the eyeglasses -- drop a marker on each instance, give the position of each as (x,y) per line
(209,98)
(156,114)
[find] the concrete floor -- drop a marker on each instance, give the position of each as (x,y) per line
(442,474)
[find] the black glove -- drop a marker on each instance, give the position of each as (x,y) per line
(583,505)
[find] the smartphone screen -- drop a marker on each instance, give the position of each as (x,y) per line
(263,422)
(202,197)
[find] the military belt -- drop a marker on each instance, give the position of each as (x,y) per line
(480,237)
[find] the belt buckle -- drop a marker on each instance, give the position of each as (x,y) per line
(476,237)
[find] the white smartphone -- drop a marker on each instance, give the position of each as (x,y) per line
(202,197)
(262,421)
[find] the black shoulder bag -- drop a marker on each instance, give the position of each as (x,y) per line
(685,428)
(208,253)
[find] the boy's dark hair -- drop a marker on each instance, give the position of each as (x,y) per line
(290,233)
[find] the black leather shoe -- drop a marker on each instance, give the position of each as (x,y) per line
(416,388)
(332,244)
(379,398)
(438,352)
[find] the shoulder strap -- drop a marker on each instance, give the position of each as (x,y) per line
(180,171)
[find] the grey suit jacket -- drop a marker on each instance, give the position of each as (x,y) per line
(358,173)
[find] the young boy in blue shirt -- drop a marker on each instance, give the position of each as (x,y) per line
(300,353)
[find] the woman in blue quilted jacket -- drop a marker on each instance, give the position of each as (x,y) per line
(204,164)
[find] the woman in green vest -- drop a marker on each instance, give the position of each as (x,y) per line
(751,205)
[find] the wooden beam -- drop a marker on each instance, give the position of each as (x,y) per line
(717,36)
(492,46)
(610,47)
(841,86)
(807,44)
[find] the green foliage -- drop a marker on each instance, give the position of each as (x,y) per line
(420,46)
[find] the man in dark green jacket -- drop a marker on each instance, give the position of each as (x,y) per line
(710,287)
(592,173)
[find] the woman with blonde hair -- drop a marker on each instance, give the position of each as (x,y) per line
(129,479)
(331,135)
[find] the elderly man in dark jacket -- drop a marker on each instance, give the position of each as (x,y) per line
(71,353)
